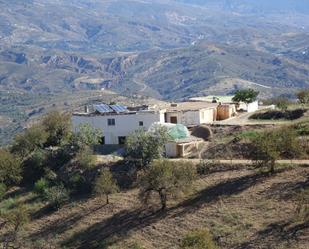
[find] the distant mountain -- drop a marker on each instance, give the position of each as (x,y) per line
(53,51)
(163,48)
(258,6)
(132,25)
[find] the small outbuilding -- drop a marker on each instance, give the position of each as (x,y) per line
(191,113)
(181,144)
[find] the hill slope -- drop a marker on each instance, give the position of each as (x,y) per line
(242,208)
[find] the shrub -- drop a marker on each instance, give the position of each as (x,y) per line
(57,196)
(85,158)
(167,179)
(302,129)
(276,115)
(10,168)
(34,166)
(198,239)
(3,189)
(41,186)
(78,183)
(105,184)
(205,166)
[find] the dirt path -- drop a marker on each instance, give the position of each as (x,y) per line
(244,162)
(106,159)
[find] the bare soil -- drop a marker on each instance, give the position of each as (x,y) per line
(244,209)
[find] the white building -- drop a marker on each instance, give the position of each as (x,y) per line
(117,125)
(191,113)
(240,106)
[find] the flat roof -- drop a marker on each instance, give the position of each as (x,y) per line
(190,106)
(223,99)
(92,114)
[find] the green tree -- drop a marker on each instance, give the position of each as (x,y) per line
(271,145)
(166,179)
(198,239)
(266,150)
(146,146)
(10,168)
(32,139)
(303,96)
(58,127)
(246,96)
(87,136)
(105,185)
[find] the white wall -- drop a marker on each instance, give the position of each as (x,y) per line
(187,118)
(125,124)
(207,116)
(171,150)
(252,107)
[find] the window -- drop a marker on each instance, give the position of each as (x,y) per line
(111,122)
(121,140)
(174,120)
(141,123)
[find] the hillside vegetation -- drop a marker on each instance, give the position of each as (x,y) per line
(54,193)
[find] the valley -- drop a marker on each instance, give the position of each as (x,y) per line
(168,50)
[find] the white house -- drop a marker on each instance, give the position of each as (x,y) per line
(117,122)
(191,113)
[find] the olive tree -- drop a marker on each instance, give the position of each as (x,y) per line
(146,146)
(105,185)
(166,179)
(271,145)
(10,168)
(58,127)
(266,150)
(30,140)
(245,95)
(87,135)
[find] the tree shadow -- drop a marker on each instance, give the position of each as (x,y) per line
(125,221)
(62,224)
(45,210)
(286,190)
(224,189)
(274,234)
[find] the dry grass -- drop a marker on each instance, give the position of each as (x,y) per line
(242,208)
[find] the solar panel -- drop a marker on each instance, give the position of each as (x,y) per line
(119,108)
(103,108)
